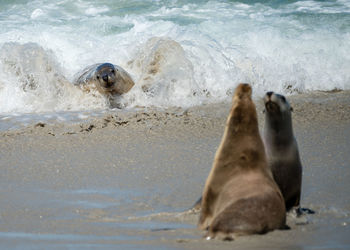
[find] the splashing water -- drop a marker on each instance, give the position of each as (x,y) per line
(179,53)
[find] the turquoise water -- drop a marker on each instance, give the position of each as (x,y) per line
(287,46)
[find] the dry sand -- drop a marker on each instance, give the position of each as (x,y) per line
(127,179)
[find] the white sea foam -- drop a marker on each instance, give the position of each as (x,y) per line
(32,82)
(37,13)
(162,72)
(204,49)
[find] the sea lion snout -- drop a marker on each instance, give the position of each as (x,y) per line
(271,106)
(105,78)
(269,96)
(108,80)
(272,102)
(276,103)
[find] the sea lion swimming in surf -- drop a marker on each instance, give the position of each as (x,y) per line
(240,196)
(106,78)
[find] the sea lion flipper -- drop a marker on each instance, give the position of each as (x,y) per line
(197,205)
(303,210)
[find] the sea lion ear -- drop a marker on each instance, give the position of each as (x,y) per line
(291,109)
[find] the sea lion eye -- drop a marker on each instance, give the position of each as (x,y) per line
(283,98)
(113,71)
(98,77)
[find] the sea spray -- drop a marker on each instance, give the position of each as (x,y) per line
(32,82)
(289,47)
(163,74)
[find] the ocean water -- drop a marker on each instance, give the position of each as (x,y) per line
(201,49)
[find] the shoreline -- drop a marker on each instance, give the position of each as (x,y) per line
(125,179)
(307,107)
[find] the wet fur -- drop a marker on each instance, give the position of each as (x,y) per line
(91,78)
(240,195)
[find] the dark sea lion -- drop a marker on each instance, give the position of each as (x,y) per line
(106,78)
(240,196)
(282,149)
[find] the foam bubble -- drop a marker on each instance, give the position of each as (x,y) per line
(95,11)
(37,13)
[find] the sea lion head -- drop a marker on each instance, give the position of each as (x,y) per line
(243,111)
(243,90)
(106,75)
(278,115)
(276,104)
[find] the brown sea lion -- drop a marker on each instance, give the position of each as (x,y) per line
(106,78)
(282,149)
(240,196)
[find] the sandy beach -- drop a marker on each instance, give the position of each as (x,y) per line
(127,179)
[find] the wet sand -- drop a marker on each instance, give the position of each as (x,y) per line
(126,180)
